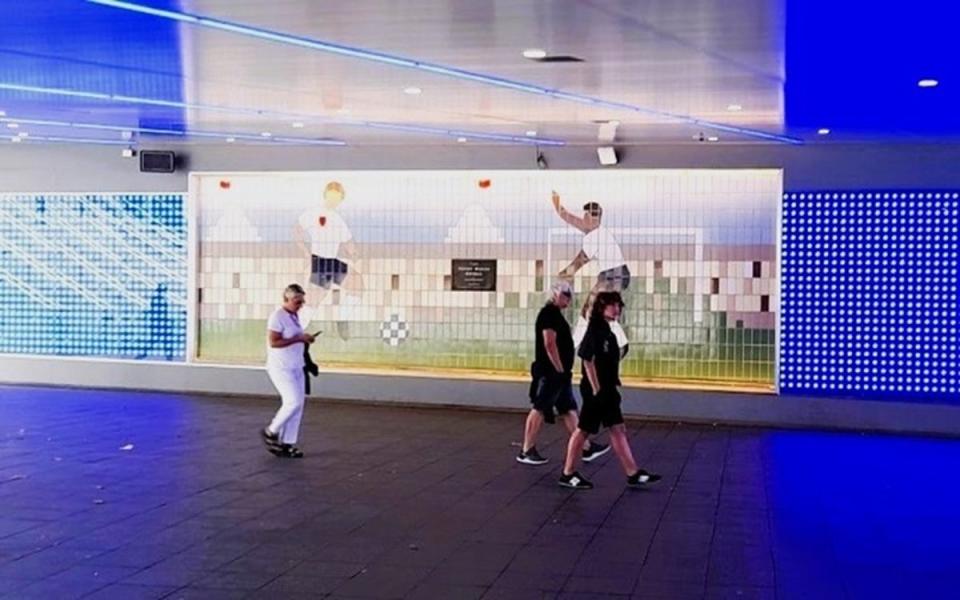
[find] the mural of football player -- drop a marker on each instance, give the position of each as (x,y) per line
(323,235)
(599,245)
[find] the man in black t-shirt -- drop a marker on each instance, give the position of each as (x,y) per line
(551,388)
(600,358)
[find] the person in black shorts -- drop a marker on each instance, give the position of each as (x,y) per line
(600,356)
(551,387)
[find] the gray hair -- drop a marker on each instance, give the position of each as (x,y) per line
(561,286)
(293,290)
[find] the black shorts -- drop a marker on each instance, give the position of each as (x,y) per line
(552,392)
(326,271)
(599,410)
(617,278)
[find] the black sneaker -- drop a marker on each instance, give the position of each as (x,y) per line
(531,457)
(576,481)
(641,478)
(290,451)
(272,440)
(595,451)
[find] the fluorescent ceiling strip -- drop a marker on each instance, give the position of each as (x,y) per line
(175,132)
(424,129)
(72,140)
(400,61)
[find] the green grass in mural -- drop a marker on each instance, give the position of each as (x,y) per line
(666,342)
(705,353)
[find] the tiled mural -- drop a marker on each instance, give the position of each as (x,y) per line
(381,249)
(93,275)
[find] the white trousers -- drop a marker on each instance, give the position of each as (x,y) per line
(289,383)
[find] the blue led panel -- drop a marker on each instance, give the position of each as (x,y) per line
(93,275)
(870,294)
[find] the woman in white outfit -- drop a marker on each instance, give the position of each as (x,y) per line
(285,346)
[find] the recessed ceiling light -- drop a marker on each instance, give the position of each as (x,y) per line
(823,131)
(713,138)
(23,134)
(412,90)
(265,134)
(16,139)
(3,113)
(296,125)
(734,107)
(231,140)
(461,139)
(13,125)
(532,133)
(535,53)
(928,83)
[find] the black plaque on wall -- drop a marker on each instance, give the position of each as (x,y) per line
(474,275)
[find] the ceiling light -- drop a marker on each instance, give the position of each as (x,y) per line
(713,138)
(13,125)
(3,113)
(436,69)
(231,140)
(531,132)
(16,139)
(461,139)
(823,131)
(296,125)
(413,91)
(126,135)
(265,134)
(734,107)
(23,134)
(535,53)
(928,83)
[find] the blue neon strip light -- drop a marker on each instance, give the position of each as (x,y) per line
(176,132)
(477,135)
(71,140)
(410,63)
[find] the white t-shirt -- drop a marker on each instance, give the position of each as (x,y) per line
(286,324)
(326,230)
(601,246)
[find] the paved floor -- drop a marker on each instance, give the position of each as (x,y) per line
(124,495)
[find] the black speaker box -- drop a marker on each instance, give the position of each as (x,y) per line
(157,161)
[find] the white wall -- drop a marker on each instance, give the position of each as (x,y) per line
(29,167)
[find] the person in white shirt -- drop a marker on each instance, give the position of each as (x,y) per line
(323,234)
(286,342)
(600,245)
